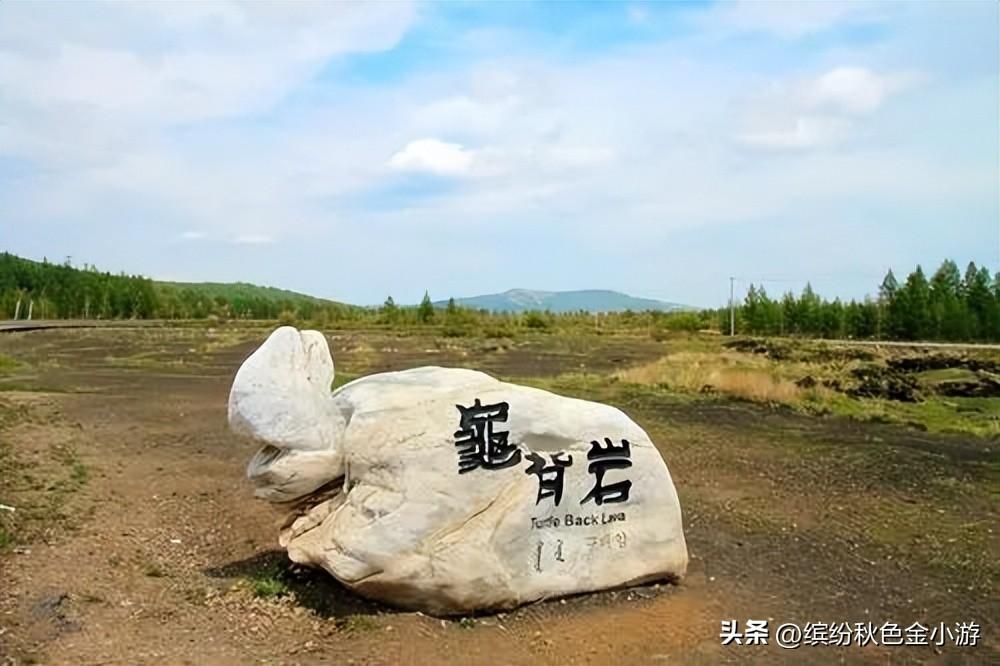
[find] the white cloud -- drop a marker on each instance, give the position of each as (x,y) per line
(820,111)
(786,20)
(227,121)
(253,239)
(854,90)
(805,132)
(192,235)
(136,102)
(141,67)
(474,114)
(433,156)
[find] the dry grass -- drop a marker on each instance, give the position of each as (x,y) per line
(755,385)
(738,375)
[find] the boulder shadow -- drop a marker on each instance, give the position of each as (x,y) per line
(272,574)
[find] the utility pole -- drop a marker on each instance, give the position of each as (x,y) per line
(732,310)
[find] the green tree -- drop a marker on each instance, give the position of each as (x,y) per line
(833,319)
(887,307)
(390,311)
(810,311)
(915,312)
(751,312)
(425,312)
(789,314)
(949,318)
(978,301)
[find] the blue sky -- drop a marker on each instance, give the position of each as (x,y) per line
(356,151)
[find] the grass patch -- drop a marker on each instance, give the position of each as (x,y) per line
(356,623)
(269,588)
(743,376)
(947,375)
(76,473)
(811,379)
(8,365)
(270,584)
(966,416)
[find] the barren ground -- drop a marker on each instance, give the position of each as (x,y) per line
(136,539)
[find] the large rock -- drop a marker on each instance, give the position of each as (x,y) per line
(448,491)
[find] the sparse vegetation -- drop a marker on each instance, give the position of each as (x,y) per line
(36,486)
(270,584)
(765,461)
(357,623)
(8,365)
(728,373)
(819,378)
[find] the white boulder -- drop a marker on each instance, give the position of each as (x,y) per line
(448,491)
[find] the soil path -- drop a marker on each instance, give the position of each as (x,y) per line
(155,557)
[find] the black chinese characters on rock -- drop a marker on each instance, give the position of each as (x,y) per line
(482,446)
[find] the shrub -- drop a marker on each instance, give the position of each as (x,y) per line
(536,320)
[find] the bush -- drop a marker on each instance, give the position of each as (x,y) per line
(536,320)
(683,321)
(456,330)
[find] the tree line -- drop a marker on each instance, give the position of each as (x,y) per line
(44,290)
(950,306)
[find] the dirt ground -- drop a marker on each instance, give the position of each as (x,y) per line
(141,541)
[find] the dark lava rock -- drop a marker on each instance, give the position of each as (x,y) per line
(940,361)
(887,383)
(986,385)
(773,350)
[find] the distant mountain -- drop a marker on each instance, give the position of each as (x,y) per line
(590,300)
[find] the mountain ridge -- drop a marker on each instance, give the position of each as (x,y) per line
(589,300)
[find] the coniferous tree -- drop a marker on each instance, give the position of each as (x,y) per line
(810,312)
(789,314)
(978,297)
(949,320)
(915,313)
(425,312)
(888,310)
(771,314)
(832,319)
(750,311)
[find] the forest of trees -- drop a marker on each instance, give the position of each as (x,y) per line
(59,291)
(949,306)
(45,290)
